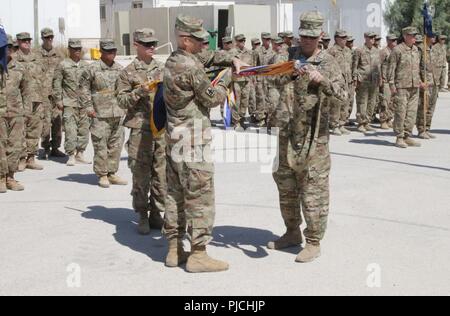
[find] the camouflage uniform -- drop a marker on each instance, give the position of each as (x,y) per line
(66,92)
(366,71)
(339,109)
(146,154)
(189,95)
(440,61)
(52,126)
(98,85)
(34,115)
(387,104)
(432,76)
(304,159)
(242,87)
(404,75)
(3,132)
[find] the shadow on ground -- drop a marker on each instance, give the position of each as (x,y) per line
(90,179)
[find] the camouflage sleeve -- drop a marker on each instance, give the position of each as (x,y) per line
(333,84)
(219,58)
(208,95)
(355,64)
(85,90)
(26,91)
(127,95)
(57,85)
(392,68)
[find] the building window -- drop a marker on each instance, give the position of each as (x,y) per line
(102,12)
(137,5)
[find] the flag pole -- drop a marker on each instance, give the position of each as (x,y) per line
(425,56)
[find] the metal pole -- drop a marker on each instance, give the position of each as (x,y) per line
(36,23)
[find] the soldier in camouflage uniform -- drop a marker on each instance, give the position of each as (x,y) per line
(304,159)
(325,41)
(146,153)
(242,85)
(189,95)
(98,86)
(343,56)
(429,75)
(404,81)
(366,78)
(66,95)
(261,57)
(52,127)
(387,104)
(256,44)
(351,99)
(35,114)
(3,133)
(15,98)
(440,61)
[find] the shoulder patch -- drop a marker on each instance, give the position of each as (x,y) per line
(210,92)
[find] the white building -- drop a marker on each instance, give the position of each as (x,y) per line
(68,18)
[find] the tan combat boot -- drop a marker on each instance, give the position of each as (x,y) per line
(71,161)
(309,254)
(431,135)
(292,238)
(200,262)
(32,165)
(400,143)
(80,158)
(176,256)
(362,129)
(344,131)
(3,188)
(116,180)
(411,142)
(13,185)
(156,221)
(22,165)
(143,227)
(385,126)
(336,132)
(424,135)
(369,128)
(103,182)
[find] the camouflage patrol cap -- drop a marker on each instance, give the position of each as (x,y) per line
(256,41)
(191,25)
(442,37)
(23,36)
(378,37)
(392,37)
(311,23)
(227,40)
(410,30)
(419,38)
(278,40)
(107,44)
(75,43)
(326,37)
(289,34)
(341,33)
(10,40)
(265,35)
(282,34)
(370,34)
(350,38)
(239,37)
(206,39)
(47,32)
(15,43)
(145,35)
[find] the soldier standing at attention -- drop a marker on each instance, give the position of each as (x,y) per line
(98,87)
(66,95)
(34,114)
(404,81)
(304,158)
(52,126)
(189,95)
(387,104)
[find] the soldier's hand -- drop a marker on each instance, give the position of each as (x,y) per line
(238,64)
(423,86)
(60,106)
(144,90)
(92,114)
(393,90)
(315,76)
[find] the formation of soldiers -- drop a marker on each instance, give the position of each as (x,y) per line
(43,92)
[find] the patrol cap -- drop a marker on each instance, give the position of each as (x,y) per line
(23,36)
(392,37)
(75,43)
(410,30)
(10,40)
(311,23)
(256,41)
(370,34)
(350,38)
(341,33)
(227,40)
(282,34)
(289,34)
(265,35)
(191,25)
(419,38)
(326,37)
(107,44)
(442,37)
(239,38)
(278,40)
(145,35)
(47,32)
(206,40)
(378,37)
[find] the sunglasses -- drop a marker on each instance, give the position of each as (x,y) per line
(49,37)
(28,40)
(149,44)
(195,38)
(242,41)
(310,37)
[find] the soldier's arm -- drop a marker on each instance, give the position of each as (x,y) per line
(128,95)
(392,69)
(219,58)
(208,95)
(57,86)
(355,64)
(26,92)
(333,84)
(85,91)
